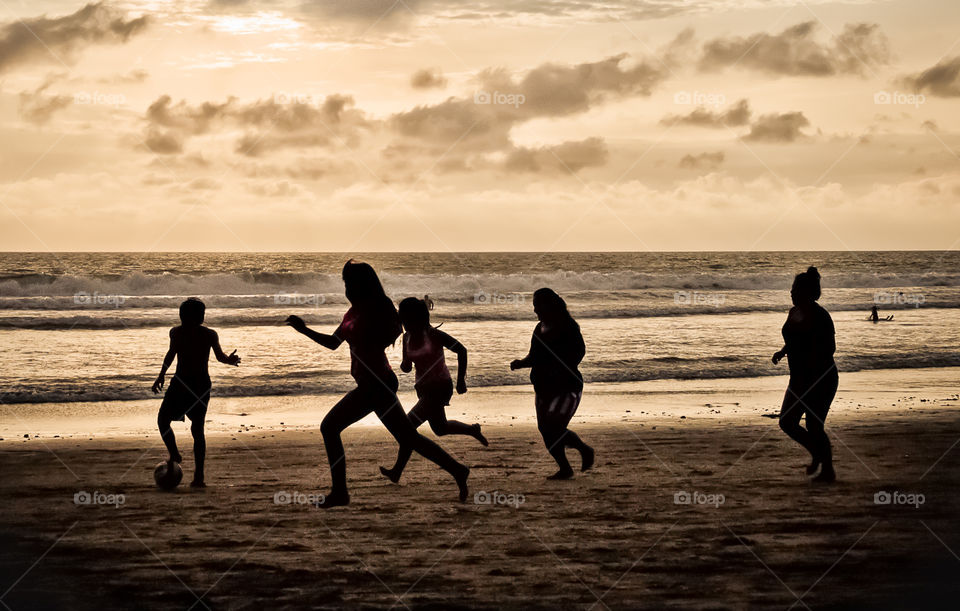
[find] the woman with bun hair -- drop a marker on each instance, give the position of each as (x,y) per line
(369,326)
(809,344)
(556,350)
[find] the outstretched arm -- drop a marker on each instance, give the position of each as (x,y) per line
(232,359)
(331,342)
(526,361)
(167,361)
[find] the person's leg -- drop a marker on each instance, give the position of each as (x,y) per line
(199,452)
(790,414)
(404,432)
(567,406)
(553,428)
(816,415)
(351,408)
(417,416)
(169,439)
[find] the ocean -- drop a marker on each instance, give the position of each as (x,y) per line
(80,327)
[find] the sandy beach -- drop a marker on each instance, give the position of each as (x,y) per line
(753,534)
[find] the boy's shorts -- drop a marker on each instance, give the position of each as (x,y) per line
(186,399)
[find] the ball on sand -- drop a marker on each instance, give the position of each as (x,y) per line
(167,475)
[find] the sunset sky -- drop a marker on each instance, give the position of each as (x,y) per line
(436,125)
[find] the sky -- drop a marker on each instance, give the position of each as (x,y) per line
(439,125)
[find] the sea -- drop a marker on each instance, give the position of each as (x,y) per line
(77,327)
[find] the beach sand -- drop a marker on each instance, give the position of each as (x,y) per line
(757,534)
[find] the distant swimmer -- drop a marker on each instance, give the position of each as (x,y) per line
(428,301)
(874,314)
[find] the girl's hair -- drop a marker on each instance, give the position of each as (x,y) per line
(366,295)
(414,312)
(554,305)
(807,284)
(192,311)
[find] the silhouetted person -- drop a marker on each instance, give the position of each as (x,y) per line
(369,326)
(874,314)
(423,347)
(556,350)
(809,344)
(189,391)
(428,302)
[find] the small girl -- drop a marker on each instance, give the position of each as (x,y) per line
(423,347)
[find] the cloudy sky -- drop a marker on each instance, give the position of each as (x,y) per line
(443,125)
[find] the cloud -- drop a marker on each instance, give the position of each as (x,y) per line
(738,114)
(428,79)
(796,51)
(59,39)
(941,80)
(501,100)
(38,108)
(564,158)
(271,124)
(709,161)
(782,127)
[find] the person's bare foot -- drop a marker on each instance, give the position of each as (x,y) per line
(462,484)
(198,483)
(586,458)
(390,474)
(827,476)
(175,458)
(813,466)
(479,436)
(334,500)
(562,474)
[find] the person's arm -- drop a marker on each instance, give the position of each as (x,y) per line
(405,364)
(450,343)
(826,341)
(232,359)
(167,361)
(331,342)
(527,361)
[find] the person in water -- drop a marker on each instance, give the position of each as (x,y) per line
(809,344)
(428,301)
(556,350)
(189,392)
(369,326)
(874,314)
(423,347)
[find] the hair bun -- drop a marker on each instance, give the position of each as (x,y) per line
(812,270)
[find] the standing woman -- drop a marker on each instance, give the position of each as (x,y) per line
(809,344)
(556,350)
(369,326)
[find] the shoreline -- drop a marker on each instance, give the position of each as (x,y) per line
(643,403)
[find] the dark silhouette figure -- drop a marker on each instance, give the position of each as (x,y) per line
(423,347)
(874,314)
(189,391)
(428,302)
(369,326)
(556,350)
(809,344)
